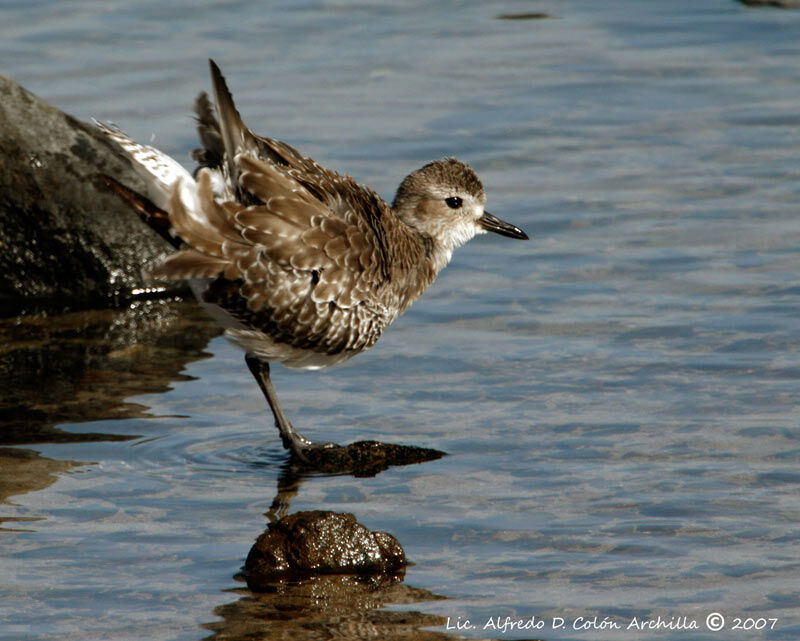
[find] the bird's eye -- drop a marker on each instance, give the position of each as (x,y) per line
(454,202)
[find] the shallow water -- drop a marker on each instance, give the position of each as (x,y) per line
(619,396)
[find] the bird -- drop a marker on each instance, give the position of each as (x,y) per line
(302,265)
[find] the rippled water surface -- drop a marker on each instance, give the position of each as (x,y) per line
(619,397)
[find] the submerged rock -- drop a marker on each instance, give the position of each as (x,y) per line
(66,240)
(320,542)
(367,458)
(778,4)
(527,15)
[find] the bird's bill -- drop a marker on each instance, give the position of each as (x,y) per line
(493,223)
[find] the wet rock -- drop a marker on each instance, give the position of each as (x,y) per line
(320,542)
(779,4)
(529,15)
(367,458)
(66,241)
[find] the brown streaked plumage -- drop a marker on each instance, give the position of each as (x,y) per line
(303,265)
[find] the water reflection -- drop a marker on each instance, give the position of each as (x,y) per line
(23,471)
(329,607)
(81,366)
(322,606)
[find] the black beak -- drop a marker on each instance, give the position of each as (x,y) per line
(492,223)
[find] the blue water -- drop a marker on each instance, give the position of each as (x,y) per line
(620,397)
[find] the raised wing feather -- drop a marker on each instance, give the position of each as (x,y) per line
(342,196)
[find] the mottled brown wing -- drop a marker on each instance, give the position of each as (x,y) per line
(309,278)
(344,197)
(228,137)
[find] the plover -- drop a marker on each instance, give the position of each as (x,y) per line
(302,265)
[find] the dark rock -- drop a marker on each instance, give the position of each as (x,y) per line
(530,15)
(320,542)
(366,458)
(778,4)
(66,240)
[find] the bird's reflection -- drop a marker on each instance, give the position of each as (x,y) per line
(360,459)
(289,481)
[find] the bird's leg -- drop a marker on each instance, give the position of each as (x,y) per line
(292,439)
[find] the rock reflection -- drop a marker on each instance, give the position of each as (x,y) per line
(81,366)
(25,471)
(329,607)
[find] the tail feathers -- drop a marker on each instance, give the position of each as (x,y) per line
(212,242)
(193,232)
(213,150)
(188,263)
(213,214)
(216,242)
(159,171)
(155,217)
